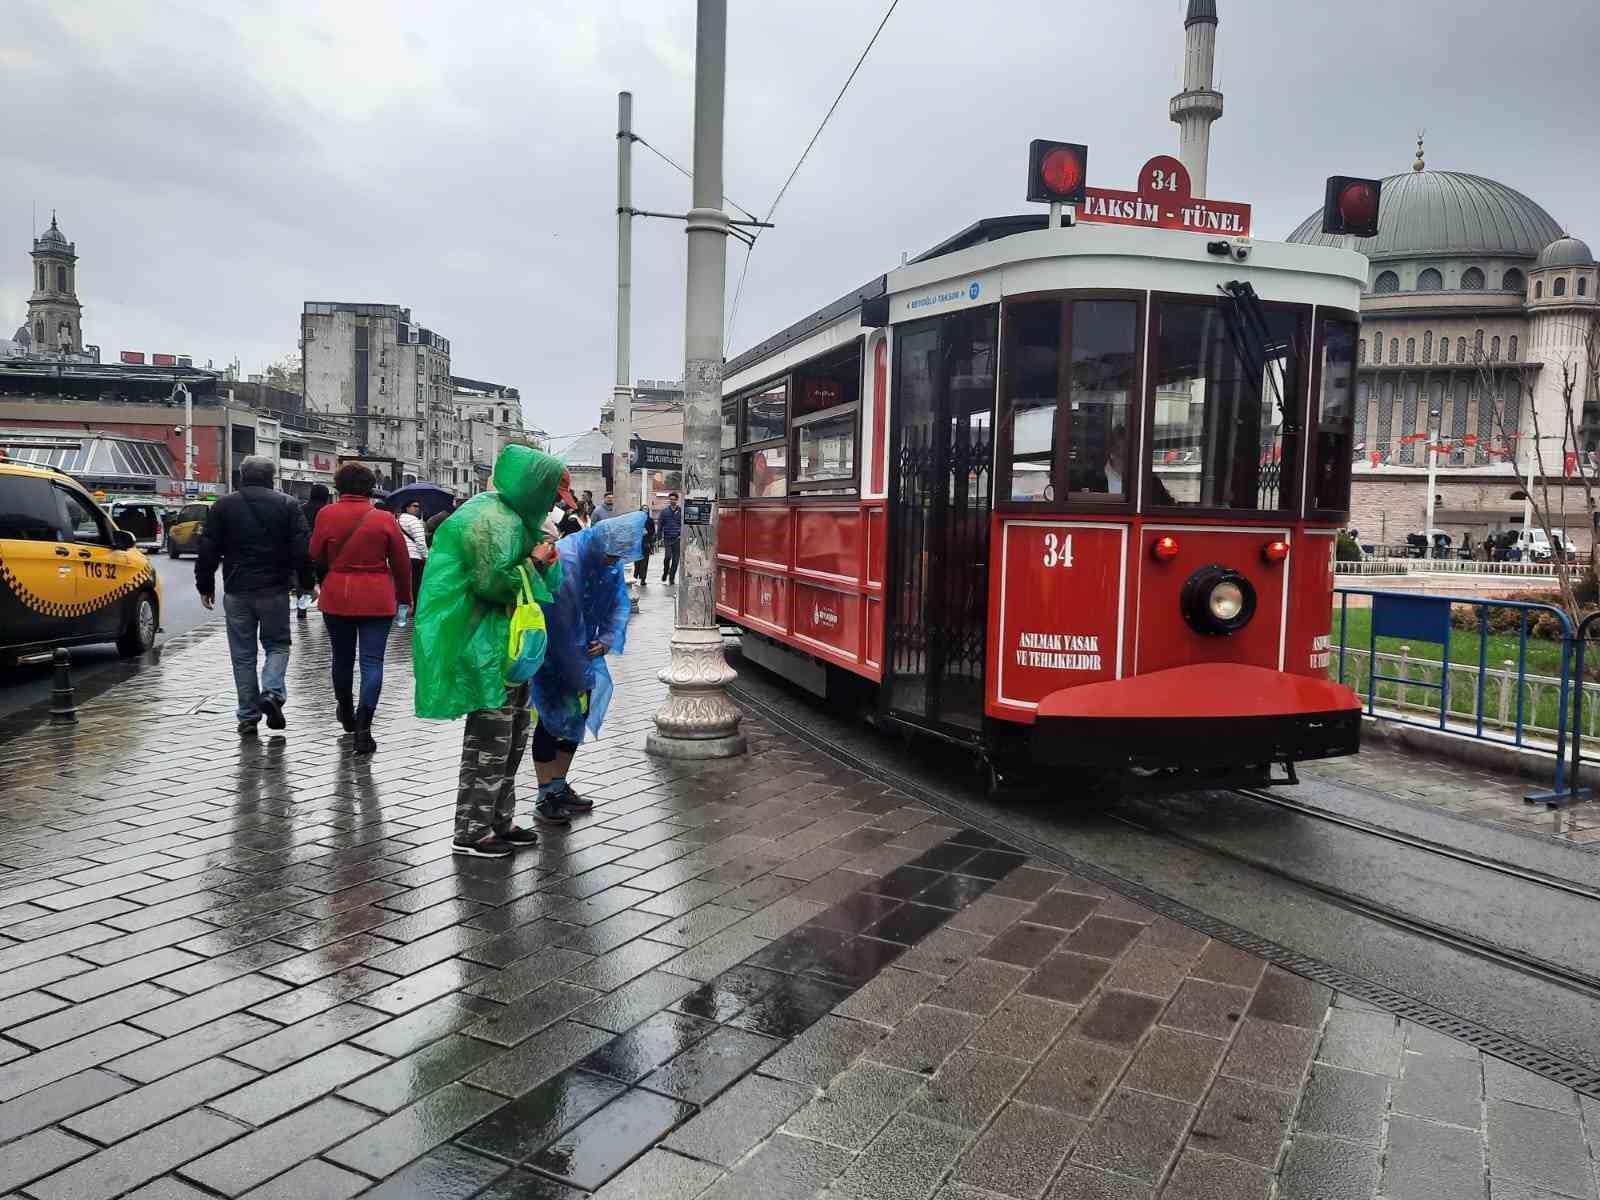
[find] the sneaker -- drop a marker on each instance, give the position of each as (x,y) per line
(247,729)
(569,800)
(548,810)
(518,836)
(491,846)
(273,707)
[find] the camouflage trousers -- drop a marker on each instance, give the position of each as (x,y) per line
(491,752)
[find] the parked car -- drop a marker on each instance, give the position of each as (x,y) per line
(68,575)
(183,531)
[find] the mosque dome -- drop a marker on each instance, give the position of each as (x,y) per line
(1437,213)
(1566,252)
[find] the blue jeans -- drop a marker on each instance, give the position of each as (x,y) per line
(252,615)
(371,635)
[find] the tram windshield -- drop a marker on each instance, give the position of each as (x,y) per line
(1225,434)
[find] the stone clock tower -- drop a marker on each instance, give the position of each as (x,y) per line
(54,314)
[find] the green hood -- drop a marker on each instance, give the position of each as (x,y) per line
(528,481)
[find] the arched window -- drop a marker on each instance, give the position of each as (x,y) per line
(42,284)
(1377,347)
(1514,282)
(1494,349)
(1477,344)
(1583,286)
(1387,281)
(1430,281)
(1472,280)
(1411,350)
(1461,350)
(1558,287)
(61,279)
(1538,289)
(38,335)
(1427,346)
(1394,350)
(1511,352)
(1444,348)
(1361,350)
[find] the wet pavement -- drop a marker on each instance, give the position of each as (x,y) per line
(255,969)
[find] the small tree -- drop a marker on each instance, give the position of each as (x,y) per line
(288,373)
(1580,382)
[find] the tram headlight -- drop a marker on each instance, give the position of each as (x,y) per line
(1217,601)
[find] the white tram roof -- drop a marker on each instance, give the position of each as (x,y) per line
(1002,256)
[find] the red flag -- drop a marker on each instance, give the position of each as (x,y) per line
(1572,463)
(1172,457)
(1376,457)
(1470,440)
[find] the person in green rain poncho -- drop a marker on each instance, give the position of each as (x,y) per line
(463,623)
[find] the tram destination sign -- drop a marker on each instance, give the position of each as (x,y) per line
(1164,200)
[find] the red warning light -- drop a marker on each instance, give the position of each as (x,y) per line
(1164,549)
(1057,171)
(1275,552)
(1350,206)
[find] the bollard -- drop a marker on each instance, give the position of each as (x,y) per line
(63,707)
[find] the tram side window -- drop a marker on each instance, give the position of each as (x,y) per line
(763,464)
(823,416)
(728,482)
(1103,375)
(1033,378)
(1220,438)
(1335,420)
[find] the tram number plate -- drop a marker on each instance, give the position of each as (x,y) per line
(1057,550)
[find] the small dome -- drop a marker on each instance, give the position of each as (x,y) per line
(1426,213)
(1565,252)
(53,236)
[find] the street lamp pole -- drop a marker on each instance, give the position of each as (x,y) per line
(699,720)
(622,392)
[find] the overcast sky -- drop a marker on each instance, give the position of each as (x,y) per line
(218,162)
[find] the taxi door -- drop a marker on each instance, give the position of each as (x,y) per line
(102,571)
(38,571)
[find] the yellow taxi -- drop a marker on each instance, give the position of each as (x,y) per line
(68,575)
(183,529)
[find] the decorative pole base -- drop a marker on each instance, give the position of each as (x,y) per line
(698,721)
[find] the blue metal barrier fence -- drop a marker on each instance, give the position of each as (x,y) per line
(1419,618)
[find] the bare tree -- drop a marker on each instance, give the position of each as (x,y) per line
(1580,383)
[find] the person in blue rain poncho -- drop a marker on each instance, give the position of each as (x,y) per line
(587,620)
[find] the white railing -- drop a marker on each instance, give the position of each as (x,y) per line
(1446,566)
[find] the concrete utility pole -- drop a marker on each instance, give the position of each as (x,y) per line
(699,720)
(1435,428)
(622,390)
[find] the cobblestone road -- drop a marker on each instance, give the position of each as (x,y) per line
(255,969)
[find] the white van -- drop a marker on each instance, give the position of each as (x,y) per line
(1535,545)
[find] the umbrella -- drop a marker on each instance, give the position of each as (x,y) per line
(433,498)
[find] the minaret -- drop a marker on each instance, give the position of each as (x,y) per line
(54,314)
(1197,105)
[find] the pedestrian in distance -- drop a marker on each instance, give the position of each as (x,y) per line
(641,569)
(416,535)
(480,561)
(258,537)
(606,510)
(439,518)
(319,499)
(587,619)
(368,572)
(670,527)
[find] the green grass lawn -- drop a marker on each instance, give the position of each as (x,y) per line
(1544,655)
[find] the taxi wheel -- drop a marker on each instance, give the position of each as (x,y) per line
(140,633)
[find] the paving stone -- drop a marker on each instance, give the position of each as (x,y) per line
(635,1000)
(1069,978)
(1074,1077)
(710,1065)
(886,999)
(1201,1176)
(856,1106)
(306,1038)
(906,1161)
(524,1067)
(1081,1183)
(784,1168)
(1343,1104)
(1539,1146)
(169,1188)
(729,994)
(1022,1027)
(1024,944)
(1361,1041)
(925,1039)
(528,974)
(394,1086)
(1269,1053)
(1421,1040)
(524,1185)
(822,1051)
(1135,1135)
(968,1089)
(1323,1169)
(631,1056)
(69,1058)
(1425,1161)
(790,1008)
(1020,1152)
(1213,1009)
(275,1148)
(989,915)
(315,1180)
(660,1175)
(530,1014)
(428,984)
(1063,910)
(1222,963)
(58,1100)
(1102,936)
(1506,1081)
(1120,1018)
(1244,1120)
(1291,1000)
(944,951)
(602,1145)
(89,1015)
(1441,1089)
(740,1119)
(139,1159)
(155,1102)
(715,955)
(980,986)
(1176,1064)
(40,1153)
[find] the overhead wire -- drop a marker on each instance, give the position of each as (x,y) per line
(738,291)
(688,174)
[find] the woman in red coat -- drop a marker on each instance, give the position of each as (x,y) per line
(369,570)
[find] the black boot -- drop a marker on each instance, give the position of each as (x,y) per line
(347,716)
(364,742)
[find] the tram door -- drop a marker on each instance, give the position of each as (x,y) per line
(939,500)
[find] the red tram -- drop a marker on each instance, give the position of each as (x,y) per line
(1067,494)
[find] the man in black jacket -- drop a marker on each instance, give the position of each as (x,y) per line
(259,536)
